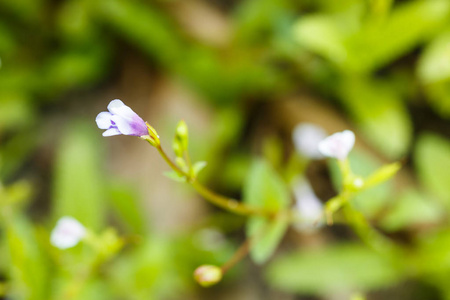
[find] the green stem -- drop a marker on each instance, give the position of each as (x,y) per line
(226,203)
(237,257)
(368,234)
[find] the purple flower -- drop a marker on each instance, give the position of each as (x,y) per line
(121,120)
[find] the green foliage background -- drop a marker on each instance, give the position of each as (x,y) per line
(382,66)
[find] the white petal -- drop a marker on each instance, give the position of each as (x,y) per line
(306,137)
(103,120)
(123,125)
(67,233)
(348,140)
(338,145)
(111,132)
(308,206)
(117,107)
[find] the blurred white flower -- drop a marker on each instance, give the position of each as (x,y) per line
(306,138)
(338,145)
(67,233)
(308,206)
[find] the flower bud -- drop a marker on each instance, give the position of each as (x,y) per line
(383,174)
(208,275)
(152,137)
(180,141)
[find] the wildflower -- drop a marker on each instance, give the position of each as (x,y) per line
(67,233)
(338,145)
(306,137)
(208,275)
(308,206)
(121,120)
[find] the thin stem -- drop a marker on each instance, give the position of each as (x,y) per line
(214,198)
(188,161)
(367,233)
(171,163)
(237,257)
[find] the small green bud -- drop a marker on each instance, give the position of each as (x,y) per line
(180,141)
(152,137)
(355,183)
(182,130)
(383,174)
(208,275)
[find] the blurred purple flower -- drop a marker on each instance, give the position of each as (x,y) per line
(121,120)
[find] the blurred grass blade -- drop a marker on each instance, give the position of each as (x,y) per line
(264,188)
(336,269)
(78,183)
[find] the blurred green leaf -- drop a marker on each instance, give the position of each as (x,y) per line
(379,113)
(18,149)
(433,70)
(320,34)
(29,266)
(145,26)
(356,44)
(335,269)
(265,189)
(434,63)
(175,176)
(16,111)
(146,272)
(411,209)
(73,68)
(198,167)
(126,205)
(78,183)
(432,160)
(383,174)
(408,25)
(433,253)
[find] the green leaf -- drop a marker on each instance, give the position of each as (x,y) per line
(30,273)
(411,209)
(175,176)
(124,201)
(78,183)
(267,235)
(320,34)
(357,44)
(432,159)
(434,63)
(383,174)
(379,113)
(265,189)
(198,166)
(433,70)
(432,255)
(148,270)
(335,269)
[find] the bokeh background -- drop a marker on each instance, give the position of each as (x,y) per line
(242,74)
